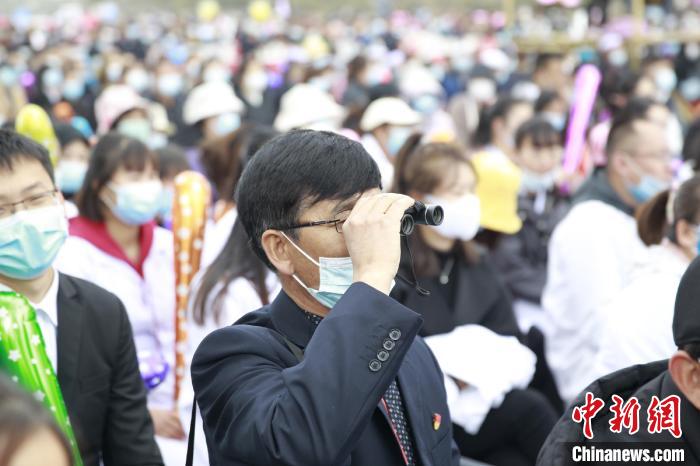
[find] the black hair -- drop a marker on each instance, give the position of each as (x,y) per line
(500,109)
(14,147)
(693,349)
(544,59)
(67,134)
(545,99)
(112,152)
(295,171)
(540,132)
(691,145)
(21,416)
(172,161)
(636,110)
(617,86)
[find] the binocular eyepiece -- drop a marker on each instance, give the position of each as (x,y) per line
(420,214)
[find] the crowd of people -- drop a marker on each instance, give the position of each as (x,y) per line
(550,275)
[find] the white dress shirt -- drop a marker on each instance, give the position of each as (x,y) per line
(47,318)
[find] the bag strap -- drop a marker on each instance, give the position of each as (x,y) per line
(190,440)
(298,353)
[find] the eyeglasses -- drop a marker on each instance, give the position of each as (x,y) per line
(36,201)
(337,222)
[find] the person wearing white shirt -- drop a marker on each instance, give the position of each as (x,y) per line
(115,244)
(593,249)
(637,327)
(387,123)
(86,331)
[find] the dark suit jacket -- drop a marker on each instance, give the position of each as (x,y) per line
(262,407)
(99,377)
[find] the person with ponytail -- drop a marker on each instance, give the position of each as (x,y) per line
(466,294)
(638,321)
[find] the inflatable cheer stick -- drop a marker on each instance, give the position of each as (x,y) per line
(585,91)
(190,207)
(23,358)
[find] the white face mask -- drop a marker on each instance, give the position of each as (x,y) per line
(533,182)
(462,216)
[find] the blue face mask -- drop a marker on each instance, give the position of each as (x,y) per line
(137,203)
(648,187)
(137,128)
(70,175)
(227,123)
(335,277)
(73,89)
(397,137)
(30,241)
(167,199)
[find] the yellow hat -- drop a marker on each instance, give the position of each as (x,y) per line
(497,188)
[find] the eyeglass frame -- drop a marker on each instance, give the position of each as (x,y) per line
(317,223)
(12,206)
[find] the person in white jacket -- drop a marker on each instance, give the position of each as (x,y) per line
(236,283)
(595,246)
(115,243)
(637,328)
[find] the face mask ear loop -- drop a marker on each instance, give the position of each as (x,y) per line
(413,283)
(301,250)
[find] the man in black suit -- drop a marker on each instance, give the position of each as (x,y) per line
(86,329)
(332,371)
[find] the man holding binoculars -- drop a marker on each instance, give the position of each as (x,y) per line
(331,372)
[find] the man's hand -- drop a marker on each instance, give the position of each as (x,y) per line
(167,424)
(373,240)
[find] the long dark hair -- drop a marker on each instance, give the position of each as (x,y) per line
(653,222)
(20,417)
(237,259)
(423,168)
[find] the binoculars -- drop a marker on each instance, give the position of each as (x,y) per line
(420,214)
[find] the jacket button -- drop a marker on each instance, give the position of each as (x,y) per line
(395,334)
(383,355)
(375,365)
(389,344)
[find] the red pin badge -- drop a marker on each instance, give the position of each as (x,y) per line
(437,419)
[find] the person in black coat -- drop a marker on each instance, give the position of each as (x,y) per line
(332,371)
(465,289)
(677,377)
(85,329)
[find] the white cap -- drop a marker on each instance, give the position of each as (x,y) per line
(305,105)
(388,111)
(210,99)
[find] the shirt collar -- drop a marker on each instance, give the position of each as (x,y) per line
(49,303)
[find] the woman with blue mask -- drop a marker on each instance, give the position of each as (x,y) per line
(214,108)
(638,321)
(116,244)
(466,290)
(387,123)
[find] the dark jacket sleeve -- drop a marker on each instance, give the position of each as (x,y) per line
(524,279)
(128,436)
(259,410)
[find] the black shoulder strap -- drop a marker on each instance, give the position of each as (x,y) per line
(298,353)
(190,440)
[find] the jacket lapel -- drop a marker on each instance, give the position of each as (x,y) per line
(68,335)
